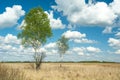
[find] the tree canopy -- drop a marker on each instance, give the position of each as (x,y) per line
(36,29)
(62,45)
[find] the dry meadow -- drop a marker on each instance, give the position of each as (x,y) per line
(69,71)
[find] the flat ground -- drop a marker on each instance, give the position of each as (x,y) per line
(70,71)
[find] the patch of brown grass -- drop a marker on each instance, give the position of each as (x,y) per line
(7,73)
(71,71)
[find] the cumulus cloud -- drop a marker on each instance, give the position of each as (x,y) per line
(10,43)
(51,48)
(55,23)
(79,51)
(77,37)
(84,40)
(107,30)
(11,16)
(93,49)
(117,34)
(114,43)
(117,51)
(115,6)
(84,50)
(9,39)
(51,45)
(73,34)
(91,14)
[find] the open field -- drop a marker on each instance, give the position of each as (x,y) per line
(70,71)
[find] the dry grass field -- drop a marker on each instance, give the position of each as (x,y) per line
(69,71)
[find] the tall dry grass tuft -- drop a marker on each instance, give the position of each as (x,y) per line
(7,73)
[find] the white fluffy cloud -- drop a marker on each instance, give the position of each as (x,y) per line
(55,23)
(117,51)
(115,6)
(114,43)
(107,30)
(73,34)
(77,37)
(10,43)
(97,14)
(9,39)
(117,34)
(84,50)
(79,51)
(51,45)
(84,40)
(11,16)
(51,48)
(93,49)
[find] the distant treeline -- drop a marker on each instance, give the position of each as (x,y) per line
(58,62)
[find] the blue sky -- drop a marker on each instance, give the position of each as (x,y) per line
(92,26)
